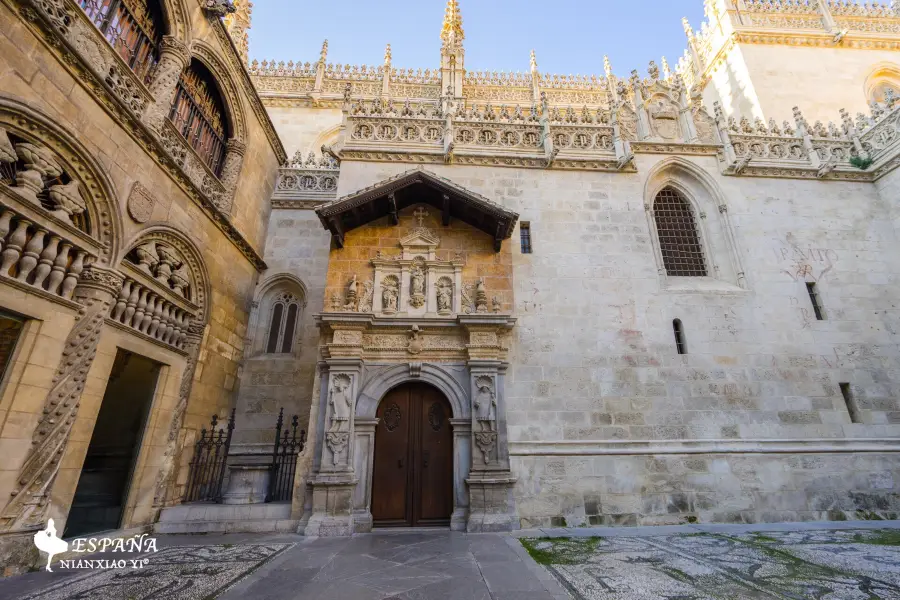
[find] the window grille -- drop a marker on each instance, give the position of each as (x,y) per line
(198,113)
(283,326)
(525,233)
(816,303)
(132,27)
(678,238)
(680,345)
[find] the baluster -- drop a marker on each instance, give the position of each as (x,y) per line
(59,268)
(71,279)
(132,303)
(165,325)
(176,326)
(183,323)
(29,258)
(170,324)
(47,258)
(139,309)
(5,220)
(122,300)
(154,322)
(148,314)
(14,246)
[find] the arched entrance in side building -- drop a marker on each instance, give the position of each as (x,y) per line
(412,483)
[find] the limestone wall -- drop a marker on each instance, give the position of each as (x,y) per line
(594,360)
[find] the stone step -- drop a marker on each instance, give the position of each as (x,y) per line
(221,518)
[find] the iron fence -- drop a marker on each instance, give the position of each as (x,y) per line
(212,451)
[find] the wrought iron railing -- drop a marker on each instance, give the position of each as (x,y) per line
(211,455)
(284,459)
(208,465)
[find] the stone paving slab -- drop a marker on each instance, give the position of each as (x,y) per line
(809,563)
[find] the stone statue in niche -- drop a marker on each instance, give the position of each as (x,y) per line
(390,292)
(485,403)
(351,295)
(444,296)
(481,299)
(340,402)
(417,286)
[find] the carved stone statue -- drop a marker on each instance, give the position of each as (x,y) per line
(481,298)
(417,286)
(340,401)
(350,305)
(444,296)
(485,403)
(389,295)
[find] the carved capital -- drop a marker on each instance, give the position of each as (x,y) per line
(235,146)
(171,46)
(99,279)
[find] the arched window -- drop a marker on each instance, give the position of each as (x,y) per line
(198,113)
(283,326)
(678,239)
(133,27)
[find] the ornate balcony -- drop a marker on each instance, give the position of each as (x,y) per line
(309,182)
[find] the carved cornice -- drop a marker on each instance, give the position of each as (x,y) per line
(485,160)
(128,115)
(731,446)
(298,204)
(666,148)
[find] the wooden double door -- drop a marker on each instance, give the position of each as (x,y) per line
(412,481)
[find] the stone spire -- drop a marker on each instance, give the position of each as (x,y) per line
(607,67)
(237,24)
(452,52)
(452,34)
(533,61)
(323,55)
(387,55)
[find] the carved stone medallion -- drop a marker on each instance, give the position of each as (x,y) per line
(140,203)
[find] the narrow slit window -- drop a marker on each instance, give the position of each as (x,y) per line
(850,401)
(679,336)
(816,302)
(275,328)
(525,233)
(287,344)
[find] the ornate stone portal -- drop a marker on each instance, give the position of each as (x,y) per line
(414,317)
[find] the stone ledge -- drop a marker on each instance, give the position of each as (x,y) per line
(754,446)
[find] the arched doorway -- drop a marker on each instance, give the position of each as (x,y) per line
(412,483)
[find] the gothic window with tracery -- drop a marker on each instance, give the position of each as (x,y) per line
(133,27)
(283,326)
(679,240)
(198,113)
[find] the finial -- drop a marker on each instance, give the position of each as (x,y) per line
(387,54)
(533,61)
(667,72)
(607,66)
(323,55)
(452,30)
(653,70)
(688,30)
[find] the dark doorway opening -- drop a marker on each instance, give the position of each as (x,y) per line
(412,482)
(106,475)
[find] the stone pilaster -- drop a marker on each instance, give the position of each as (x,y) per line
(174,57)
(363,455)
(29,501)
(462,451)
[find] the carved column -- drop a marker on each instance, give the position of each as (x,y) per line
(462,462)
(192,341)
(491,503)
(363,460)
(231,169)
(174,57)
(30,500)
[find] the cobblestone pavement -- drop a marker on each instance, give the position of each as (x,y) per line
(796,561)
(820,565)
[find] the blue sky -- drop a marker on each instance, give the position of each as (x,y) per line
(569,36)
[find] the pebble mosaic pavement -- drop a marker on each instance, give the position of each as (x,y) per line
(819,565)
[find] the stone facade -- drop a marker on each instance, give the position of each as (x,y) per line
(769,414)
(118,237)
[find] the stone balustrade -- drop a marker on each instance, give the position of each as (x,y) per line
(151,308)
(315,179)
(40,250)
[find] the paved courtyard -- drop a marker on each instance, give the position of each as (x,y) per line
(671,563)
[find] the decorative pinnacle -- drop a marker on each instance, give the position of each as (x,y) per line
(533,61)
(323,55)
(387,54)
(688,30)
(667,72)
(452,30)
(607,66)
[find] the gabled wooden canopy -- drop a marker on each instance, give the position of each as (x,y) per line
(389,197)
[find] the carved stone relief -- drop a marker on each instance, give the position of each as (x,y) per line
(444,291)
